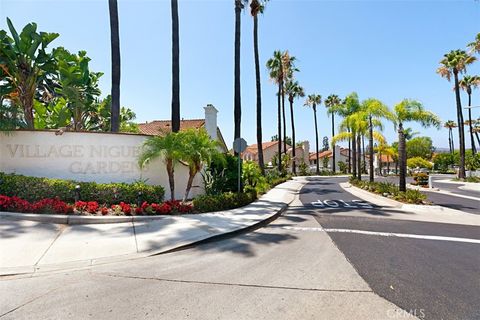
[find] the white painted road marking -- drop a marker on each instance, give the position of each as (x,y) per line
(344,204)
(386,234)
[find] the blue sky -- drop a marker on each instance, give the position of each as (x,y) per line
(383,49)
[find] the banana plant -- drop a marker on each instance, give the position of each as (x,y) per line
(26,65)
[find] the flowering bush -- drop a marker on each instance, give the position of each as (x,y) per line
(57,206)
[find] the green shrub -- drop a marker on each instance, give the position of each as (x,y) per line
(252,178)
(35,189)
(411,196)
(342,166)
(418,162)
(420,179)
(303,169)
(222,201)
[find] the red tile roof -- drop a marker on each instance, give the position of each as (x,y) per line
(253,149)
(321,155)
(158,127)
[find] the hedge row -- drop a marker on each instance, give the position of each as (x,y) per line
(223,201)
(35,189)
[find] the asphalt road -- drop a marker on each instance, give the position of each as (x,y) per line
(301,266)
(431,278)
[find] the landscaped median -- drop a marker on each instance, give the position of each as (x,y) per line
(29,246)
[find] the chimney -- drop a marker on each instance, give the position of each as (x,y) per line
(211,121)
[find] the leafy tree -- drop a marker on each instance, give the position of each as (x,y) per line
(468,83)
(453,63)
(330,103)
(409,111)
(77,84)
(443,161)
(325,144)
(197,149)
(418,162)
(293,90)
(169,148)
(115,61)
(100,119)
(420,147)
(312,101)
(26,66)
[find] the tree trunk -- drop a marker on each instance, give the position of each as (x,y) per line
(472,141)
(461,129)
(294,165)
(450,140)
(453,141)
(175,68)
(284,121)
(334,165)
(115,49)
(364,164)
(261,162)
(171,178)
(316,138)
(279,124)
(402,158)
(349,153)
(191,176)
(354,154)
(380,167)
(370,151)
(359,157)
(237,99)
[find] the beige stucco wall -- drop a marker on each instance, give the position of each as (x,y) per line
(99,157)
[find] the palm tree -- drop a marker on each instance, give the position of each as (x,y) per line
(198,149)
(409,133)
(332,101)
(257,7)
(312,101)
(168,147)
(275,67)
(288,64)
(466,84)
(175,68)
(384,149)
(374,109)
(475,45)
(455,62)
(237,107)
(115,47)
(407,111)
(450,124)
(293,90)
(349,106)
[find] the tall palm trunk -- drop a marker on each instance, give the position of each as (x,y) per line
(171,180)
(334,165)
(237,109)
(316,139)
(461,129)
(349,153)
(294,166)
(380,165)
(402,158)
(359,155)
(364,164)
(450,140)
(370,151)
(115,48)
(472,141)
(261,162)
(175,68)
(354,153)
(284,121)
(279,123)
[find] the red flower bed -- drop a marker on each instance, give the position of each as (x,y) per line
(56,206)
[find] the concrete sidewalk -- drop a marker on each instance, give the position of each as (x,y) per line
(33,246)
